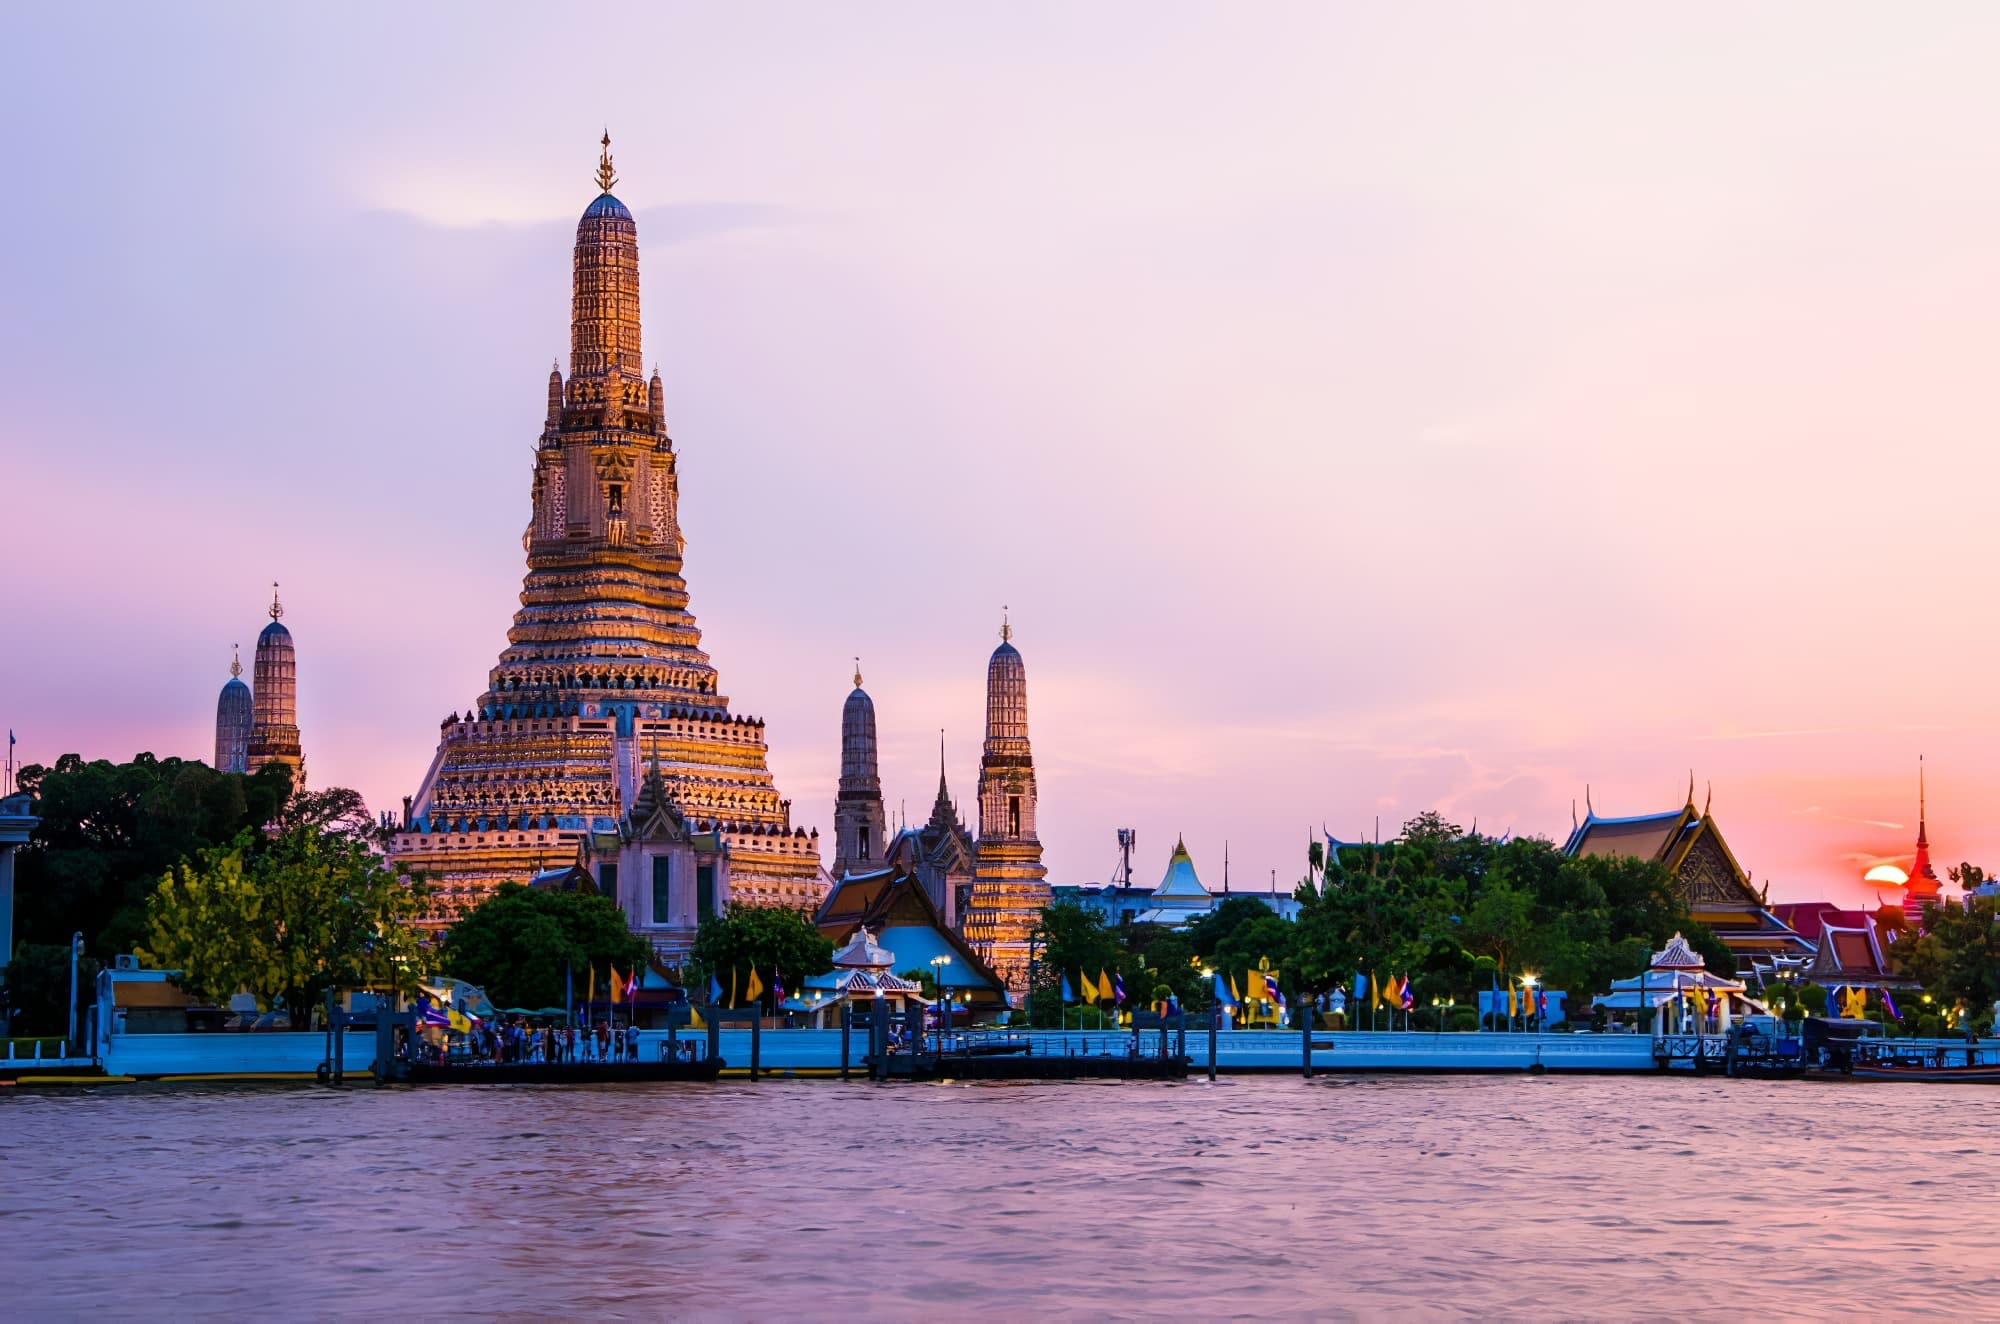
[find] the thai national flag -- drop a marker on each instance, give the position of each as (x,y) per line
(777,984)
(1272,991)
(1889,1005)
(1409,997)
(1118,989)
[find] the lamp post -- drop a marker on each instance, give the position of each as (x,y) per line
(75,949)
(1528,984)
(938,965)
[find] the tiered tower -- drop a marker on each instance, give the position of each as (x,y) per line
(274,730)
(1923,888)
(859,822)
(604,659)
(1009,891)
(234,720)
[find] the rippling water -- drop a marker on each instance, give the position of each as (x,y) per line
(1485,1196)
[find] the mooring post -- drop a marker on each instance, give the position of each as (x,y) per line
(1214,1026)
(846,1032)
(1306,1039)
(878,1041)
(714,1033)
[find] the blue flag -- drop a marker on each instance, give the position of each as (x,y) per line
(1222,997)
(1360,989)
(714,990)
(1068,996)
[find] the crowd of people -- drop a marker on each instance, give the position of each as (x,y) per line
(518,1041)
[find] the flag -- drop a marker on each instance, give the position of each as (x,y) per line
(1068,994)
(754,988)
(1173,1005)
(1360,987)
(1235,995)
(1513,1001)
(1271,989)
(1118,989)
(632,984)
(695,1022)
(1889,1005)
(1374,993)
(1223,994)
(593,986)
(1409,998)
(1542,1004)
(617,982)
(777,986)
(732,985)
(714,989)
(429,1012)
(1103,984)
(1089,989)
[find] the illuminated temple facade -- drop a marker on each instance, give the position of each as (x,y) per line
(603,724)
(1009,885)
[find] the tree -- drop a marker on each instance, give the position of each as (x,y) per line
(1956,955)
(772,940)
(1074,943)
(312,911)
(521,943)
(1208,932)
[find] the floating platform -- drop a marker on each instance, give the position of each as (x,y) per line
(556,1073)
(1023,1066)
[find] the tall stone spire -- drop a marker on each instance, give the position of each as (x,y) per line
(859,819)
(274,731)
(1009,891)
(234,718)
(604,657)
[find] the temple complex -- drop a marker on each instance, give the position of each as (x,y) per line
(604,669)
(274,691)
(1707,878)
(234,718)
(1009,891)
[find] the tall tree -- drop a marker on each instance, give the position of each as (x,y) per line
(311,911)
(521,943)
(767,939)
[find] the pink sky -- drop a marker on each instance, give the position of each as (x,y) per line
(1363,409)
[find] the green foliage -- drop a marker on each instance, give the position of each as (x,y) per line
(767,939)
(1957,956)
(312,910)
(1457,912)
(1206,933)
(36,988)
(109,831)
(1813,997)
(518,943)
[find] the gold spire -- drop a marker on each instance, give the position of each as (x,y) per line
(1006,627)
(235,660)
(606,176)
(857,673)
(277,608)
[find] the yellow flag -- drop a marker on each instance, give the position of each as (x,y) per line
(732,985)
(593,985)
(1089,988)
(1103,983)
(1234,992)
(695,1021)
(1374,993)
(1513,1001)
(617,985)
(754,989)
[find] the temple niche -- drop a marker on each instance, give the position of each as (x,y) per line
(604,671)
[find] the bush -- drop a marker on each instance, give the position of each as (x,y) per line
(1463,1019)
(1930,1026)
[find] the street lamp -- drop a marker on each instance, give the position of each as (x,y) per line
(938,964)
(1528,983)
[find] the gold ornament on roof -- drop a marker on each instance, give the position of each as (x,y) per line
(606,176)
(277,608)
(235,660)
(857,673)
(1006,626)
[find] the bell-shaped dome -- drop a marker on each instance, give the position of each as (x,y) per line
(606,205)
(274,633)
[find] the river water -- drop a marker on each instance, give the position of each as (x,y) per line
(1521,1197)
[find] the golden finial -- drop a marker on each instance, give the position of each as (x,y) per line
(857,673)
(606,176)
(277,609)
(1006,626)
(235,660)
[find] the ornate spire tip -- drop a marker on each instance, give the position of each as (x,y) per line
(606,176)
(857,673)
(1006,627)
(277,608)
(235,660)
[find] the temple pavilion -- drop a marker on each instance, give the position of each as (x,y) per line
(894,906)
(1677,972)
(864,973)
(1707,878)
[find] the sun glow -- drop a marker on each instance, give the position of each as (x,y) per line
(1886,873)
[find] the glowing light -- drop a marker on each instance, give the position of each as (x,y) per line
(1886,873)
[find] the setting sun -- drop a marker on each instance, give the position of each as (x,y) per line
(1886,873)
